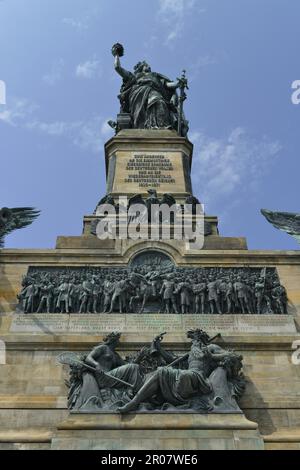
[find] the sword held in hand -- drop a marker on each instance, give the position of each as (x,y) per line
(183,85)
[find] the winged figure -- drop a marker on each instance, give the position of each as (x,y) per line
(15,218)
(288,222)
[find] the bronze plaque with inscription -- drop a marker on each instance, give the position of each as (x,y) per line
(139,171)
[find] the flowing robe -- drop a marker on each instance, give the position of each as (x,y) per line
(148,100)
(104,392)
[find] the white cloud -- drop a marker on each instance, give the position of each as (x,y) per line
(80,25)
(201,62)
(88,135)
(56,128)
(175,7)
(173,14)
(151,41)
(224,167)
(55,73)
(89,69)
(16,111)
(84,22)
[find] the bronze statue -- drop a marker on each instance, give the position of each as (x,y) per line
(149,98)
(210,382)
(184,289)
(167,292)
(208,379)
(288,222)
(199,291)
(46,295)
(102,379)
(242,292)
(15,218)
(214,295)
(279,297)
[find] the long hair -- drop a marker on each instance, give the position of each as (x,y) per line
(139,66)
(112,337)
(198,335)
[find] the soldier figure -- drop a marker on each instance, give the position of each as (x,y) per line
(28,294)
(119,293)
(46,297)
(229,295)
(279,297)
(241,290)
(222,290)
(153,277)
(184,289)
(259,290)
(168,292)
(108,287)
(85,296)
(96,294)
(63,300)
(199,291)
(213,295)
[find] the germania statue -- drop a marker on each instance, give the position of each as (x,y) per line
(148,99)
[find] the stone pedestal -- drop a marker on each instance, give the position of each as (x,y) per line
(152,431)
(138,160)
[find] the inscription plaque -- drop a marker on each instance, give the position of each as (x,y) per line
(151,323)
(40,323)
(95,323)
(162,171)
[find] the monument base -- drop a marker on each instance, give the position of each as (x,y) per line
(157,431)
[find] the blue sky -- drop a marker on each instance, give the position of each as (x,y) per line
(241,57)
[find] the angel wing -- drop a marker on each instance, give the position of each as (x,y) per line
(168,199)
(136,199)
(14,219)
(288,222)
(102,200)
(192,200)
(107,199)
